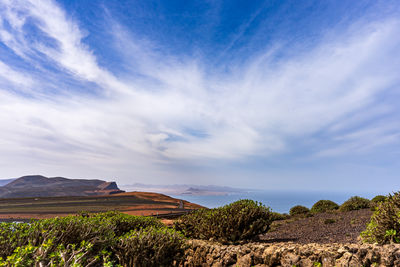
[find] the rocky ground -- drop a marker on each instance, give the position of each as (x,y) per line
(334,227)
(325,239)
(289,254)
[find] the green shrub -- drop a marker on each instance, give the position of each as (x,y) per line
(72,230)
(240,220)
(276,216)
(70,255)
(355,203)
(124,223)
(378,198)
(376,201)
(324,206)
(299,211)
(52,233)
(12,236)
(68,237)
(101,227)
(22,256)
(150,247)
(384,226)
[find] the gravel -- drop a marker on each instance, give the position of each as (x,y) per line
(333,227)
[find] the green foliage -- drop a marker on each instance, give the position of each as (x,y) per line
(324,206)
(276,216)
(150,247)
(12,236)
(378,198)
(392,234)
(240,220)
(299,211)
(124,223)
(23,256)
(384,226)
(355,203)
(72,230)
(84,240)
(376,201)
(71,255)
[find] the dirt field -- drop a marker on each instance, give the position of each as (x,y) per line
(335,227)
(134,203)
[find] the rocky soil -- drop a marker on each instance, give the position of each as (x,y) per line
(334,227)
(324,240)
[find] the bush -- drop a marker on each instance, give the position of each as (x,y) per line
(276,216)
(41,241)
(71,255)
(378,198)
(101,228)
(376,201)
(12,236)
(240,220)
(150,247)
(124,223)
(299,210)
(76,240)
(384,226)
(324,206)
(355,203)
(71,230)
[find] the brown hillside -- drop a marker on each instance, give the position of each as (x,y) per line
(161,198)
(135,203)
(40,186)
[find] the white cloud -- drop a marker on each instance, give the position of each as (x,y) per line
(178,109)
(9,76)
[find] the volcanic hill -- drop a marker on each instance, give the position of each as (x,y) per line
(40,186)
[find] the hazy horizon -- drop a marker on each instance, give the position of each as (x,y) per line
(277,95)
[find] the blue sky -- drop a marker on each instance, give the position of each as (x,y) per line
(285,95)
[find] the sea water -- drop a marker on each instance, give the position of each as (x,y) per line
(277,201)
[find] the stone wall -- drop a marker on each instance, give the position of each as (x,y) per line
(202,253)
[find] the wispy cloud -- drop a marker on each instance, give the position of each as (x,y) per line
(169,109)
(11,77)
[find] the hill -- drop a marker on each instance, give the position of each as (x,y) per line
(41,186)
(133,203)
(6,181)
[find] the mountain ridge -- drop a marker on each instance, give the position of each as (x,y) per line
(41,186)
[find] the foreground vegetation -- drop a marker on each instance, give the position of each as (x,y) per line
(385,222)
(117,239)
(241,220)
(384,226)
(106,239)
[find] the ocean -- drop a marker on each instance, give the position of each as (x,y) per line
(278,201)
